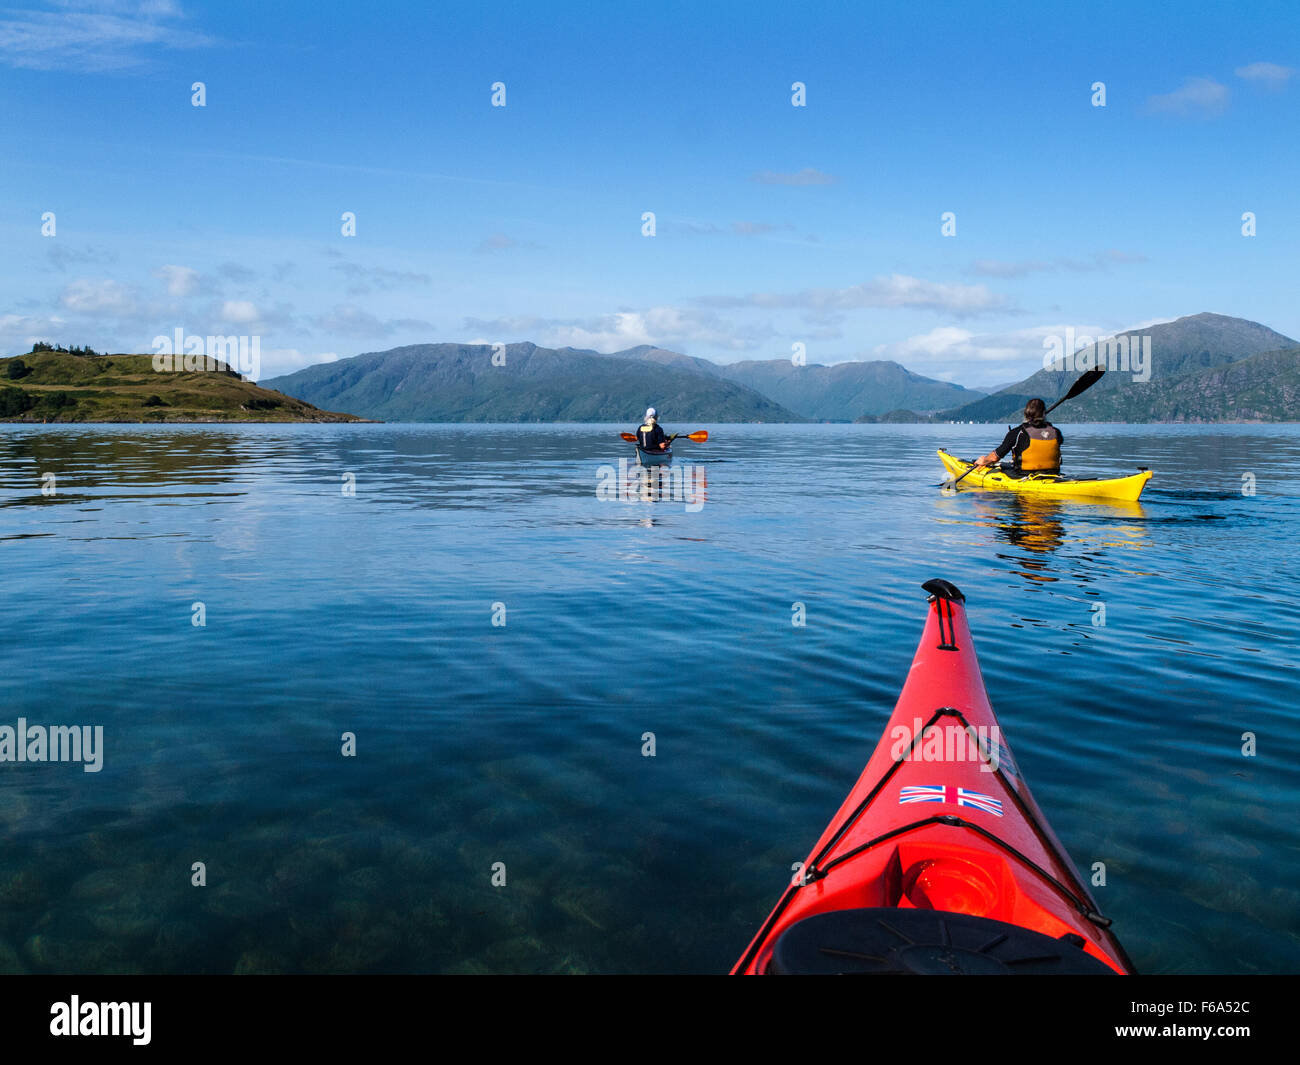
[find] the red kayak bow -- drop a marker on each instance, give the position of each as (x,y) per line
(939,860)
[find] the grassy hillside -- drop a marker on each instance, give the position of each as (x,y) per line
(50,386)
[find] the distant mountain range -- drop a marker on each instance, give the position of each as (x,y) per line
(1203,368)
(460,382)
(847,390)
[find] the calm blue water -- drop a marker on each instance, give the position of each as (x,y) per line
(521,743)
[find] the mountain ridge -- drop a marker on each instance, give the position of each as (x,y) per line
(524,383)
(456,382)
(1187,345)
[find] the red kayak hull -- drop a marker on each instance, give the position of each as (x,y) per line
(940,819)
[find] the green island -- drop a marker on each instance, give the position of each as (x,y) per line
(55,384)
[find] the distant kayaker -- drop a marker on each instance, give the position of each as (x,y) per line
(651,437)
(1035,444)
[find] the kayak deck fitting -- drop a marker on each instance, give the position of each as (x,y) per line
(1051,484)
(939,860)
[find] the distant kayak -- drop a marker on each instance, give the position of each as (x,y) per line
(939,860)
(1047,484)
(654,458)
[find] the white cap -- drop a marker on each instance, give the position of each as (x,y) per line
(649,413)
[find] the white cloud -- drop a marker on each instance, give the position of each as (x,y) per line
(98,297)
(240,312)
(181,280)
(1203,97)
(660,326)
(1270,75)
(977,359)
(18,332)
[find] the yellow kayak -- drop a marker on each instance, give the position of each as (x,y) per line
(1047,484)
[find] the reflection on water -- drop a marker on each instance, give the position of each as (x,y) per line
(628,602)
(1035,527)
(677,483)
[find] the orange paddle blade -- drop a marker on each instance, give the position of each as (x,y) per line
(699,436)
(628,437)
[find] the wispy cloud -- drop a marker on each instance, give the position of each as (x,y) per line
(503,242)
(278,361)
(687,227)
(670,327)
(363,168)
(62,255)
(1101,260)
(1196,97)
(237,272)
(19,331)
(497,242)
(895,291)
(977,359)
(758,229)
(366,278)
(1270,75)
(87,296)
(352,321)
(806,176)
(693,227)
(94,35)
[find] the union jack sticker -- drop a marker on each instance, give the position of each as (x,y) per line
(950,796)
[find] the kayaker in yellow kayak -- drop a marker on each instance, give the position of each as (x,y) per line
(1035,444)
(651,436)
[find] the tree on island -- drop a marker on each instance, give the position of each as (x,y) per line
(14,401)
(86,352)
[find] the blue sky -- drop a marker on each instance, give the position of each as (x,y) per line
(776,225)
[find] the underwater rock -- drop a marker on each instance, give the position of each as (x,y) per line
(11,962)
(23,888)
(261,962)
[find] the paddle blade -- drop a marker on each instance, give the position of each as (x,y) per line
(629,437)
(1080,386)
(1085,382)
(699,436)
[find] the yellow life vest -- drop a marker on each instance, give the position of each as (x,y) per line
(1044,450)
